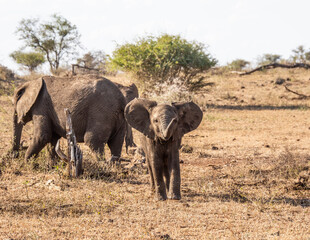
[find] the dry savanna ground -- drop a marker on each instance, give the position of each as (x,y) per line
(245,174)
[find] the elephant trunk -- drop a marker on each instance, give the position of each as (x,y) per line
(17,132)
(168,124)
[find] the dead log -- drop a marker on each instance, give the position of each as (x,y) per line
(75,155)
(277,65)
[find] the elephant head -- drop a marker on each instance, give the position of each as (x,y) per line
(24,98)
(162,121)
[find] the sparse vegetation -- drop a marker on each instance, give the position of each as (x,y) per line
(245,175)
(300,55)
(268,59)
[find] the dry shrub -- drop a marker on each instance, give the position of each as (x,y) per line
(166,92)
(261,182)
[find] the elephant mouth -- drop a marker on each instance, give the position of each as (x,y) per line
(165,138)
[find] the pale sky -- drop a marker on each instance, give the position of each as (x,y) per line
(231,28)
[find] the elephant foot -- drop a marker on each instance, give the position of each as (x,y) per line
(174,196)
(12,154)
(115,160)
(161,196)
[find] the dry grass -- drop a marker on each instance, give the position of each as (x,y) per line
(246,176)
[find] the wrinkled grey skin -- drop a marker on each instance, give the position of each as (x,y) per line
(162,127)
(96,106)
(130,92)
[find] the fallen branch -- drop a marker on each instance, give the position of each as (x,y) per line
(302,96)
(277,65)
(75,155)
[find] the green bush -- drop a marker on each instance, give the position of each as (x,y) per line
(155,60)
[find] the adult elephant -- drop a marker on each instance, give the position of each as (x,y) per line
(130,92)
(96,106)
(162,127)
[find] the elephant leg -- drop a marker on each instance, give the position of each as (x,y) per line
(41,136)
(157,166)
(52,152)
(95,144)
(175,177)
(151,174)
(167,177)
(116,143)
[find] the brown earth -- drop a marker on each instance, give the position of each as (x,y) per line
(247,176)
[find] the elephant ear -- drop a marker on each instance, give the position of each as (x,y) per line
(190,116)
(137,114)
(25,96)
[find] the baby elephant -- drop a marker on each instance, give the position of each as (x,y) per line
(163,127)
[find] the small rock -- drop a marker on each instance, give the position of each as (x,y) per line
(280,81)
(187,149)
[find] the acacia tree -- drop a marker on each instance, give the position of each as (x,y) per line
(30,60)
(163,59)
(57,38)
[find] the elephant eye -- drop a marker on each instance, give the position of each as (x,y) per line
(155,120)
